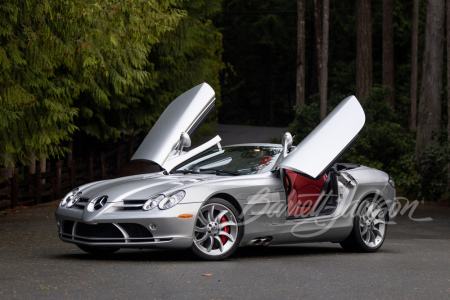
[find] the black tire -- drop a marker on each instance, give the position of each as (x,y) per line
(98,250)
(358,241)
(236,231)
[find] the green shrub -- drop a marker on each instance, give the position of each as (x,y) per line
(427,177)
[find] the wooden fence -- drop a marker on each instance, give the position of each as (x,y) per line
(24,188)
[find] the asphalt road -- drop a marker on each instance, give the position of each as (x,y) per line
(414,262)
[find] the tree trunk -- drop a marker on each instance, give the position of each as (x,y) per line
(318,37)
(414,55)
(43,166)
(388,49)
(300,91)
(363,48)
(32,163)
(447,192)
(433,60)
(323,83)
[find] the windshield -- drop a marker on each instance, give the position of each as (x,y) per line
(234,160)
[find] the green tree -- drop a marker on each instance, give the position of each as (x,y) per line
(186,57)
(53,53)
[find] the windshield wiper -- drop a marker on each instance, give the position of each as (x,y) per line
(185,172)
(207,171)
(216,171)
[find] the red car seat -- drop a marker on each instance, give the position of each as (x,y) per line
(304,193)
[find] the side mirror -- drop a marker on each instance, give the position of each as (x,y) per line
(185,141)
(286,142)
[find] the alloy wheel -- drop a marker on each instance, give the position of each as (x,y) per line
(216,229)
(372,224)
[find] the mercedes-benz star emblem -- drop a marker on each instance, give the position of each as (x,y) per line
(97,203)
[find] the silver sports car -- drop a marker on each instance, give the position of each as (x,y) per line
(213,199)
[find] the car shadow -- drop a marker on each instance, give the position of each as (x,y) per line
(247,253)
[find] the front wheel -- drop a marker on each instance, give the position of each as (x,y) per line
(98,250)
(369,227)
(218,230)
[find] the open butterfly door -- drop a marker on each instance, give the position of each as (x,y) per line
(328,141)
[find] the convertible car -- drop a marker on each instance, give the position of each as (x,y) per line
(214,199)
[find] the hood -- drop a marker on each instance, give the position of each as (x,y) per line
(185,114)
(139,187)
(328,141)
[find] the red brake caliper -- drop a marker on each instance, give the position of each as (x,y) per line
(226,229)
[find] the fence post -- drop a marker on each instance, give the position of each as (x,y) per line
(91,168)
(73,173)
(102,166)
(38,183)
(58,179)
(15,188)
(27,176)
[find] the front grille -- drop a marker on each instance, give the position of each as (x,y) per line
(130,204)
(103,230)
(123,205)
(81,203)
(107,232)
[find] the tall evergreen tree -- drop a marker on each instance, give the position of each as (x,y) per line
(301,56)
(433,59)
(53,53)
(388,49)
(323,76)
(364,70)
(414,58)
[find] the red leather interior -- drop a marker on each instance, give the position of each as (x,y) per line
(304,193)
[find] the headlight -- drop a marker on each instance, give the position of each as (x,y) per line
(68,197)
(171,200)
(164,202)
(152,202)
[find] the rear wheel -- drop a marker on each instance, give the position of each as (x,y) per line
(218,230)
(369,227)
(98,250)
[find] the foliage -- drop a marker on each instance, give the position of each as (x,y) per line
(55,52)
(183,58)
(186,57)
(426,176)
(383,142)
(306,119)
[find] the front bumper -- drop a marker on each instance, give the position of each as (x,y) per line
(128,229)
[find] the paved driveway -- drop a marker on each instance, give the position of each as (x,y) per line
(414,262)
